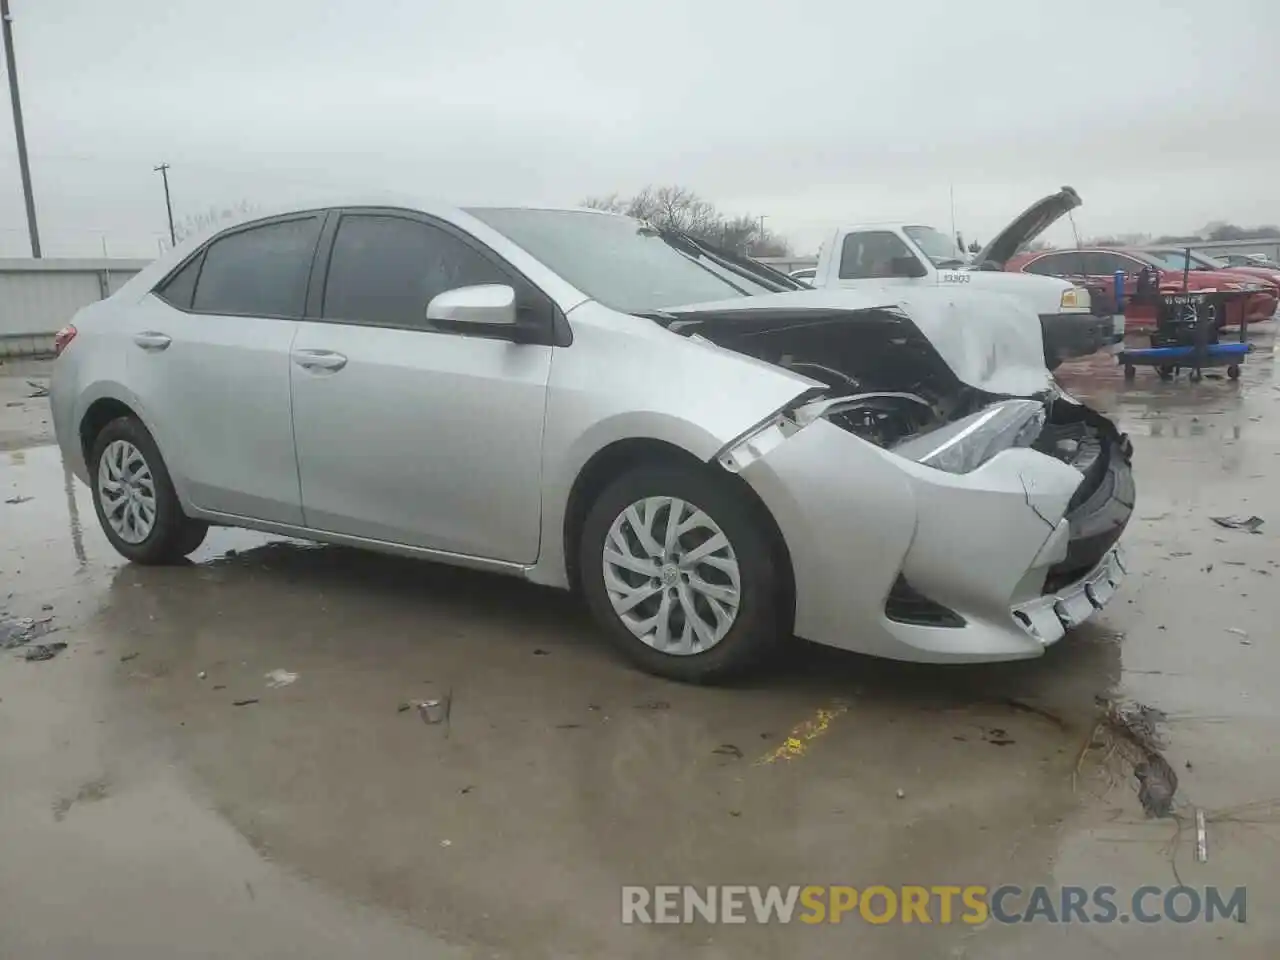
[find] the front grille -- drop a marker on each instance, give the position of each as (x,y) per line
(906,604)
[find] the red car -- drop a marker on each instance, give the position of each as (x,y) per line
(1095,267)
(1176,258)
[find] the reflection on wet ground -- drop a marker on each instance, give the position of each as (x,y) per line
(562,774)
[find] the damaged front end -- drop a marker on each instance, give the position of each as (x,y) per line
(888,385)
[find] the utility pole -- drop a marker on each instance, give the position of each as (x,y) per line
(163,170)
(19,132)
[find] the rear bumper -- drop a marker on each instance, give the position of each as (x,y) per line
(1071,335)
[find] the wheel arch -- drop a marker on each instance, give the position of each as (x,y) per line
(620,456)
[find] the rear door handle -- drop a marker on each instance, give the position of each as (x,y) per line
(319,360)
(152,340)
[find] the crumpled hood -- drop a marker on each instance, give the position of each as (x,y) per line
(989,341)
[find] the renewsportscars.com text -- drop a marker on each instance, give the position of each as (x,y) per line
(941,904)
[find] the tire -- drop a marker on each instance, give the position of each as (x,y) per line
(135,457)
(1165,373)
(754,630)
(1129,372)
(1233,371)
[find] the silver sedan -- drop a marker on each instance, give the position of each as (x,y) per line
(717,458)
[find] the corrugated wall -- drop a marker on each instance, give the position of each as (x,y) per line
(39,296)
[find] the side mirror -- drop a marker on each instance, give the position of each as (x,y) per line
(906,267)
(486,304)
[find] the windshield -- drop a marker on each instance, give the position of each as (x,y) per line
(937,246)
(620,262)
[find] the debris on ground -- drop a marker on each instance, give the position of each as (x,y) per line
(22,630)
(403,707)
(997,736)
(1242,634)
(1252,524)
(43,651)
(433,711)
(539,652)
(276,678)
(38,389)
(1131,731)
(568,726)
(728,750)
(219,686)
(244,703)
(201,675)
(653,705)
(14,501)
(901,793)
(129,656)
(1202,838)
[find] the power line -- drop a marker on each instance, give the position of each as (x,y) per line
(19,133)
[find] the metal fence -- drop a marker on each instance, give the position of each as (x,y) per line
(37,297)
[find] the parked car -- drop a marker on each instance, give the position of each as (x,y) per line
(716,460)
(1249,260)
(1097,266)
(1176,259)
(912,255)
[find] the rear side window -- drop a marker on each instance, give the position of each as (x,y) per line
(259,272)
(871,254)
(1056,265)
(181,286)
(384,270)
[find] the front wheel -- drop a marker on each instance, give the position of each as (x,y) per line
(1233,371)
(682,574)
(134,497)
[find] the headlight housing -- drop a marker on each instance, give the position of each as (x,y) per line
(967,444)
(1076,298)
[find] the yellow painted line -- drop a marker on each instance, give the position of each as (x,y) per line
(802,734)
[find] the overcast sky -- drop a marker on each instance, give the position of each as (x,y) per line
(1163,115)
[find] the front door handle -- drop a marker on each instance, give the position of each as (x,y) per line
(152,340)
(319,360)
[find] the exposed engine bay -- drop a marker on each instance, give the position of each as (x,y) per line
(887,384)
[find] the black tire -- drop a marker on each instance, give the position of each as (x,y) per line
(174,534)
(1129,372)
(1233,371)
(759,627)
(1165,373)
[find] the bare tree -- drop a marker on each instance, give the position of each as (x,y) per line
(679,208)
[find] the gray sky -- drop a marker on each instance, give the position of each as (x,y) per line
(1163,115)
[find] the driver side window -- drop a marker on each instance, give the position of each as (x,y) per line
(384,270)
(872,254)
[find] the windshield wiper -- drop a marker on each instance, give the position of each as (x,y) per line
(946,262)
(738,263)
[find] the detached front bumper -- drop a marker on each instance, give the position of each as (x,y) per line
(899,560)
(1070,335)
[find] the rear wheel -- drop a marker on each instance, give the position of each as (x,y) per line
(134,497)
(1129,371)
(682,574)
(1233,371)
(1165,372)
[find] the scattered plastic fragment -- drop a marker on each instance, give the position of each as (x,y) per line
(43,651)
(1252,524)
(277,678)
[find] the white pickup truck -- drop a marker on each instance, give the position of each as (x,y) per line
(890,254)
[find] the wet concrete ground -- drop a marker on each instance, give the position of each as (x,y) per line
(144,815)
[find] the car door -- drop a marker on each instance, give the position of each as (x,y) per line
(408,432)
(882,256)
(209,360)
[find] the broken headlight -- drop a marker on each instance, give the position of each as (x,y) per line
(967,444)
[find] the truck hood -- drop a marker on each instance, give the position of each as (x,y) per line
(1028,225)
(984,340)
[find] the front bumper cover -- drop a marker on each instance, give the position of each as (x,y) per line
(856,519)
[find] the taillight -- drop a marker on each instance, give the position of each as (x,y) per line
(62,338)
